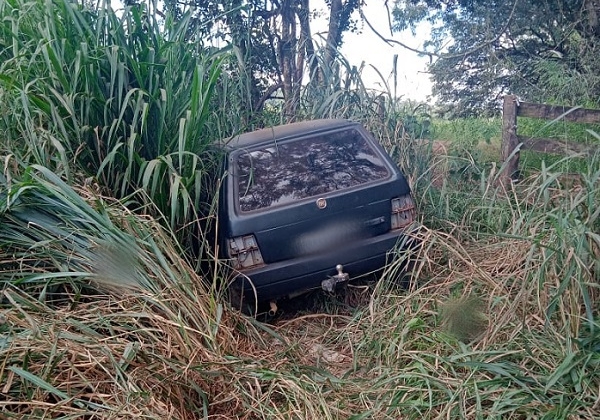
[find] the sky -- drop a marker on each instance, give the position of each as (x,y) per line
(413,81)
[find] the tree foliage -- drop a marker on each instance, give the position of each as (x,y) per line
(544,51)
(272,40)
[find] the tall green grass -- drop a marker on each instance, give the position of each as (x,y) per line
(468,132)
(478,140)
(124,98)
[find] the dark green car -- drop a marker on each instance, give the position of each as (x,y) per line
(309,205)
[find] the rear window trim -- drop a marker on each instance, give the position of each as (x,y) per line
(369,139)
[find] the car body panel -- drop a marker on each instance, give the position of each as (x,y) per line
(297,275)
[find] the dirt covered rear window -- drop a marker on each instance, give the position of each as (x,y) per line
(309,167)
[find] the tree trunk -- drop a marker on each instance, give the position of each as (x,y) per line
(306,43)
(287,53)
(333,34)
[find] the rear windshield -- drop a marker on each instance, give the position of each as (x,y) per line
(283,173)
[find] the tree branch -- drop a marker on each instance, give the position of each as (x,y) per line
(267,95)
(430,54)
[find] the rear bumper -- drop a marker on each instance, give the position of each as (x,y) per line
(283,278)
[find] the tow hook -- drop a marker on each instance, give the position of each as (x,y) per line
(329,284)
(272,308)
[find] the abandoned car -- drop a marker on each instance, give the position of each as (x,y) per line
(309,205)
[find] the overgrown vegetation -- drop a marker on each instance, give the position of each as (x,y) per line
(479,51)
(472,144)
(107,156)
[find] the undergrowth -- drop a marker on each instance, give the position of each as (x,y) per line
(103,313)
(500,320)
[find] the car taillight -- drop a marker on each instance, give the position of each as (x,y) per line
(244,252)
(403,211)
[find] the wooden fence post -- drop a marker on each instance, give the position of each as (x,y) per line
(510,140)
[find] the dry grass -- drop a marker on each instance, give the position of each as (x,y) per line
(493,326)
(138,356)
(126,355)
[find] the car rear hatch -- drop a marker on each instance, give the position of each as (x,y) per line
(312,195)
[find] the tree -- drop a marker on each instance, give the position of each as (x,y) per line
(273,41)
(480,50)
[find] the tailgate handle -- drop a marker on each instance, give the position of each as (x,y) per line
(375,221)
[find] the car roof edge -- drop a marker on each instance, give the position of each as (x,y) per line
(284,131)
